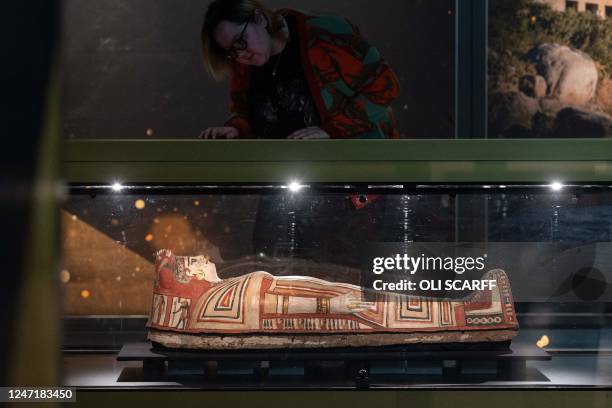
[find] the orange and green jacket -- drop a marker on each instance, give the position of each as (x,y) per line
(351,85)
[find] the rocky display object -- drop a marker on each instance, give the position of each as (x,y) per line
(556,102)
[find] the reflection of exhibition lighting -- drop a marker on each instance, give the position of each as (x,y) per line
(117,186)
(295,186)
(556,186)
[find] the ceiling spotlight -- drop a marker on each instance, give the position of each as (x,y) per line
(117,186)
(556,186)
(295,186)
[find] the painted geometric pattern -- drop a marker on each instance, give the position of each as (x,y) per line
(414,308)
(446,313)
(225,302)
(260,302)
(479,320)
(379,316)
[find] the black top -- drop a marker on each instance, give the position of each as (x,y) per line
(279,99)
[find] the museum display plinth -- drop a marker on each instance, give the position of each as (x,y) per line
(503,362)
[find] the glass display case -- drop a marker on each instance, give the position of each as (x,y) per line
(546,224)
(313,233)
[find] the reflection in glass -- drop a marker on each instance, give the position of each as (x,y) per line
(549,69)
(137,71)
(554,245)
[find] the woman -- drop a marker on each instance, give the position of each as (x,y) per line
(296,76)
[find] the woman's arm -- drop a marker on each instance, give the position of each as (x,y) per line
(239,104)
(237,125)
(357,84)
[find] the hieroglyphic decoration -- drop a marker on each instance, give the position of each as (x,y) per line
(179,313)
(506,297)
(323,305)
(159,309)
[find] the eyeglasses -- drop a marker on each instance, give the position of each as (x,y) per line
(240,44)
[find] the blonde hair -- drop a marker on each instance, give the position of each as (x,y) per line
(235,11)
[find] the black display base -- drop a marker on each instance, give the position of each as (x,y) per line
(352,367)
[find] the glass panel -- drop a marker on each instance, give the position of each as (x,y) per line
(134,70)
(549,69)
(553,243)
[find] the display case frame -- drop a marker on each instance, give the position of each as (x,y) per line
(356,161)
(455,164)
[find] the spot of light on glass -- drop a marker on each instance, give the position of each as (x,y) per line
(543,342)
(149,237)
(295,186)
(261,255)
(85,294)
(74,218)
(556,186)
(64,276)
(196,203)
(502,186)
(139,204)
(117,186)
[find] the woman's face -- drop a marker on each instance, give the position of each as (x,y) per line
(256,37)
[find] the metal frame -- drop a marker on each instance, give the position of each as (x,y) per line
(471,66)
(359,161)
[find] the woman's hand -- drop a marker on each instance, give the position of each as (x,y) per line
(221,132)
(313,132)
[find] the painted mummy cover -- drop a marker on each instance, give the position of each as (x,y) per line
(193,308)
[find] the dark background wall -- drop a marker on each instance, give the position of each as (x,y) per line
(133,65)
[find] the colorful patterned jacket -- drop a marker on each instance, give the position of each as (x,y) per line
(351,85)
